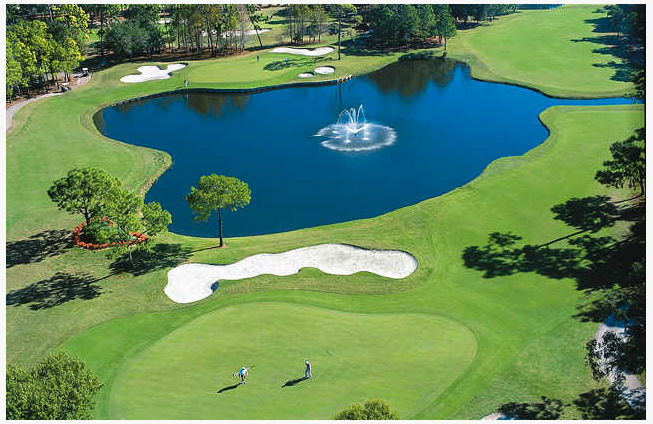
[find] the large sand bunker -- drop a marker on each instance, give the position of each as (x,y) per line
(192,282)
(152,73)
(304,52)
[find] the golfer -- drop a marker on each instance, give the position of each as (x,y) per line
(243,374)
(308,372)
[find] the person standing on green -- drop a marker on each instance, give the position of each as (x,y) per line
(308,372)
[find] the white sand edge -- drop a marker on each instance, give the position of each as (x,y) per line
(325,70)
(192,282)
(149,73)
(497,416)
(304,52)
(633,391)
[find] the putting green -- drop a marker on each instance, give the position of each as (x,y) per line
(408,359)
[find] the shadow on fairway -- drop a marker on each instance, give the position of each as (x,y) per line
(594,262)
(56,290)
(224,389)
(293,382)
(158,257)
(38,247)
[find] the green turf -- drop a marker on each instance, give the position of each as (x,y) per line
(563,52)
(514,320)
(352,355)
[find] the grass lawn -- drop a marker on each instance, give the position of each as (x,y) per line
(509,338)
(352,355)
(563,52)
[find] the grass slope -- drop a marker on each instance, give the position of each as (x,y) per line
(55,292)
(562,52)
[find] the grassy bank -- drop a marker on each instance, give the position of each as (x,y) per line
(563,52)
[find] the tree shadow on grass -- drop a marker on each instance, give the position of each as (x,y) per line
(597,404)
(606,404)
(294,382)
(548,409)
(38,247)
(56,290)
(157,257)
(594,262)
(632,55)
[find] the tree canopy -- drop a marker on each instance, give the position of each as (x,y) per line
(374,409)
(214,193)
(84,191)
(628,164)
(57,388)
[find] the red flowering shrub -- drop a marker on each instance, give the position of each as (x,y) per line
(78,230)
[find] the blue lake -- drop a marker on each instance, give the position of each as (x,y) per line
(448,128)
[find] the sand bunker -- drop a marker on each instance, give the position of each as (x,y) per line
(325,70)
(305,75)
(304,52)
(152,73)
(192,282)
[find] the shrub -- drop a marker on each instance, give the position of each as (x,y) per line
(374,409)
(58,388)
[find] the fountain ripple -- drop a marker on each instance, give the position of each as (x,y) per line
(353,133)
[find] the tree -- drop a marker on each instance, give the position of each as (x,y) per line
(83,191)
(217,192)
(628,164)
(58,388)
(340,11)
(129,215)
(616,16)
(445,25)
(374,409)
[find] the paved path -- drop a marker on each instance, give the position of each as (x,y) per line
(11,110)
(633,391)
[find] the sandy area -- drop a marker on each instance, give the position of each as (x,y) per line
(305,75)
(324,70)
(152,73)
(304,52)
(192,282)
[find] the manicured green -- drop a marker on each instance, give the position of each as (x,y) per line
(527,342)
(558,51)
(353,355)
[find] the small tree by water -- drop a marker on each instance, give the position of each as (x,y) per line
(217,192)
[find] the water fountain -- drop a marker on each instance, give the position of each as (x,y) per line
(352,132)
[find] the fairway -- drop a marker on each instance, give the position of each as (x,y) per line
(353,356)
(565,51)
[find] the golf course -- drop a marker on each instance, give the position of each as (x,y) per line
(445,342)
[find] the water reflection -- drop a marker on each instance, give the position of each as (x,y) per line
(217,104)
(409,79)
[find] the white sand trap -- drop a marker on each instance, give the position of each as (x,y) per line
(152,73)
(304,52)
(324,70)
(192,282)
(305,75)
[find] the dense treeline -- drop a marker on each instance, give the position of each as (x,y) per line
(39,49)
(402,23)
